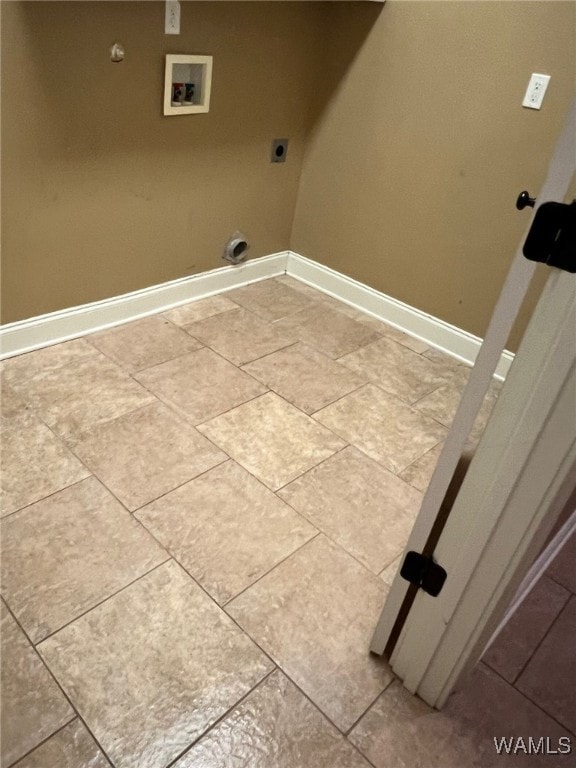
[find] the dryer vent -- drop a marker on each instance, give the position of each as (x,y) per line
(236,248)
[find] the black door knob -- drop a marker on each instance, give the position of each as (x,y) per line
(524,200)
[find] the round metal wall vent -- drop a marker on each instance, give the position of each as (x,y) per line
(236,248)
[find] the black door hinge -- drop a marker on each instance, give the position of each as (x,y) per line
(552,236)
(423,572)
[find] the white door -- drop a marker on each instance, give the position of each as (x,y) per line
(521,472)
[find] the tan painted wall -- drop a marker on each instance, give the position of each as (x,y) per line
(412,171)
(101,193)
(408,184)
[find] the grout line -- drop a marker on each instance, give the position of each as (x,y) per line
(221,609)
(253,315)
(307,471)
(207,471)
(355,445)
(359,752)
(239,368)
(334,541)
(69,441)
(352,391)
(221,718)
(556,581)
(164,312)
(271,658)
(315,413)
(543,638)
(99,479)
(48,496)
(230,600)
(288,344)
(242,366)
(129,371)
(181,413)
(419,458)
(40,743)
(104,600)
(276,664)
(372,703)
(60,687)
(176,557)
(398,556)
(175,411)
(433,391)
(229,410)
(76,438)
(306,696)
(142,507)
(525,696)
(325,716)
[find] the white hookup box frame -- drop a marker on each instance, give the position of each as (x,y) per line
(181,68)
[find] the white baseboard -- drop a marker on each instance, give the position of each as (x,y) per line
(45,330)
(438,334)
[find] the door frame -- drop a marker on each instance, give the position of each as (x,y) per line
(431,653)
(520,479)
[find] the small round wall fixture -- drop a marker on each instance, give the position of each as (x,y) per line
(236,248)
(117,52)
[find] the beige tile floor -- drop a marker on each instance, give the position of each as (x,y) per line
(202,514)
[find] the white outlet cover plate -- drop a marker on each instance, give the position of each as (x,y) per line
(535,92)
(172,21)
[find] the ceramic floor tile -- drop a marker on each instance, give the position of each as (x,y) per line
(364,508)
(396,369)
(491,707)
(315,614)
(80,394)
(392,333)
(386,429)
(270,299)
(274,727)
(298,285)
(304,376)
(226,529)
(420,472)
(198,310)
(35,463)
(33,707)
(387,575)
(514,646)
(329,302)
(153,667)
(327,329)
(146,453)
(563,569)
(72,747)
(272,439)
(22,367)
(240,336)
(144,343)
(200,385)
(65,554)
(441,358)
(10,403)
(400,730)
(544,678)
(443,403)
